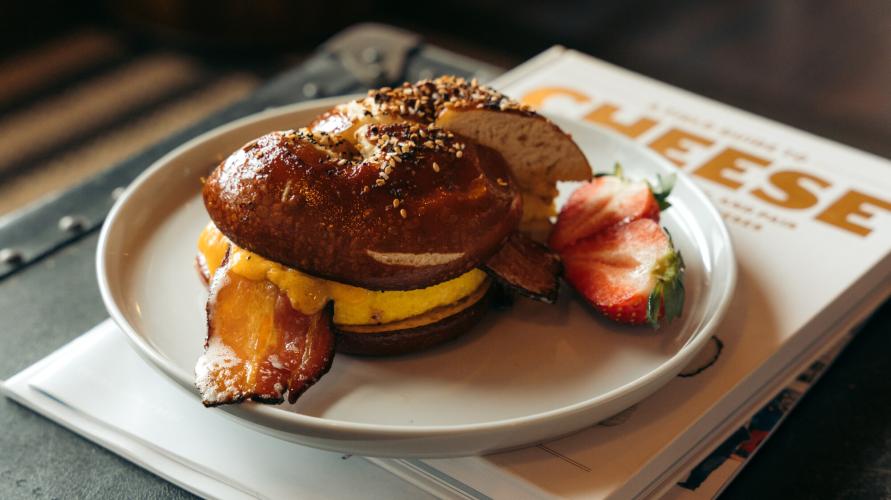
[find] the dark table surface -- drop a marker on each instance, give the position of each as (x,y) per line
(825,68)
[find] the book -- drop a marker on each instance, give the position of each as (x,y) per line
(705,470)
(150,420)
(810,221)
(70,387)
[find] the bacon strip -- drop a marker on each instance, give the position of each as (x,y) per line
(258,346)
(528,267)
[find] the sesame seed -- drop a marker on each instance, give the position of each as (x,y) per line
(388,170)
(435,167)
(380,182)
(501,182)
(342,162)
(459,154)
(403,213)
(395,202)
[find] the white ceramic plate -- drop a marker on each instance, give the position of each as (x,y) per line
(522,376)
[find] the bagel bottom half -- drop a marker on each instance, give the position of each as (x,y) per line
(416,333)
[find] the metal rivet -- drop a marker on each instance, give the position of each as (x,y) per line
(11,256)
(371,55)
(117,192)
(310,89)
(72,223)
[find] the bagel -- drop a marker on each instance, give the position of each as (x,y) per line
(381,228)
(374,220)
(538,152)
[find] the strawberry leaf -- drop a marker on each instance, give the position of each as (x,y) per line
(667,297)
(654,305)
(617,172)
(662,189)
(673,278)
(673,298)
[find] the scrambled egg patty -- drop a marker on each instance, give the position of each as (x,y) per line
(352,305)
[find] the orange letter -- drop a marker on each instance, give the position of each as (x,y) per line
(537,97)
(797,196)
(852,203)
(674,143)
(604,116)
(729,159)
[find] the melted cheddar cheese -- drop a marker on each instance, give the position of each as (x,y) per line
(352,305)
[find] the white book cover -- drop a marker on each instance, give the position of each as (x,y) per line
(153,422)
(810,221)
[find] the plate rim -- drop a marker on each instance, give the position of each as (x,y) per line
(258,414)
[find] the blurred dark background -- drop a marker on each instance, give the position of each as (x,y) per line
(822,64)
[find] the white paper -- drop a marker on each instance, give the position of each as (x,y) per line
(98,387)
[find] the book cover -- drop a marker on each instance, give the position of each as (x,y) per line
(810,221)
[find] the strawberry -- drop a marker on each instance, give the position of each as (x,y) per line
(630,272)
(605,201)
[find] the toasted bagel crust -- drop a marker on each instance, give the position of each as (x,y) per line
(421,102)
(321,205)
(538,152)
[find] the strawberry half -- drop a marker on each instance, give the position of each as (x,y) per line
(629,272)
(607,200)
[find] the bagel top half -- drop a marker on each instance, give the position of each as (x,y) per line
(538,152)
(400,190)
